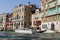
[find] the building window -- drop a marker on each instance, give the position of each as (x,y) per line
(18,10)
(59,17)
(46,19)
(54,18)
(46,0)
(44,26)
(17,17)
(59,9)
(50,18)
(1,19)
(36,17)
(51,11)
(25,9)
(22,17)
(42,19)
(34,22)
(22,9)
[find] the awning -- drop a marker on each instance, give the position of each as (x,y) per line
(38,20)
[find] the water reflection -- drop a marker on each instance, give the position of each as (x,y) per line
(18,36)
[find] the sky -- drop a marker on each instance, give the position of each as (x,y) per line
(6,6)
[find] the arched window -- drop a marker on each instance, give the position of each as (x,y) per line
(17,17)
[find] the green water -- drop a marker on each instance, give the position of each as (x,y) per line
(8,35)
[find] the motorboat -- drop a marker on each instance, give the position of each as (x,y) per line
(40,31)
(29,31)
(35,30)
(1,28)
(50,31)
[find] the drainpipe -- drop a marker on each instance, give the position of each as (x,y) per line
(57,14)
(57,9)
(44,11)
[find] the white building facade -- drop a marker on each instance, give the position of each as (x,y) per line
(3,21)
(35,18)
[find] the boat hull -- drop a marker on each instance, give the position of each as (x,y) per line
(24,31)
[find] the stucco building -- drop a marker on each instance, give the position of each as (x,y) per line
(18,17)
(22,16)
(51,14)
(3,21)
(9,25)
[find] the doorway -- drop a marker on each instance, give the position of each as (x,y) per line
(52,26)
(16,26)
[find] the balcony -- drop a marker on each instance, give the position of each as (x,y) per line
(51,12)
(52,1)
(52,4)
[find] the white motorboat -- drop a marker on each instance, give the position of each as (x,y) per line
(50,31)
(24,31)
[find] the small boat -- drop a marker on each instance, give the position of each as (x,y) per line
(40,31)
(24,31)
(50,31)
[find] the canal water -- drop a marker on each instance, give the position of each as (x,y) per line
(38,36)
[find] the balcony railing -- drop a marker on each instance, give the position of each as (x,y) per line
(52,4)
(51,12)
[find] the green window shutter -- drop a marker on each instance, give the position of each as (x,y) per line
(46,19)
(50,18)
(58,9)
(52,11)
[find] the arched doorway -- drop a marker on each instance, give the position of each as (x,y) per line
(17,25)
(52,26)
